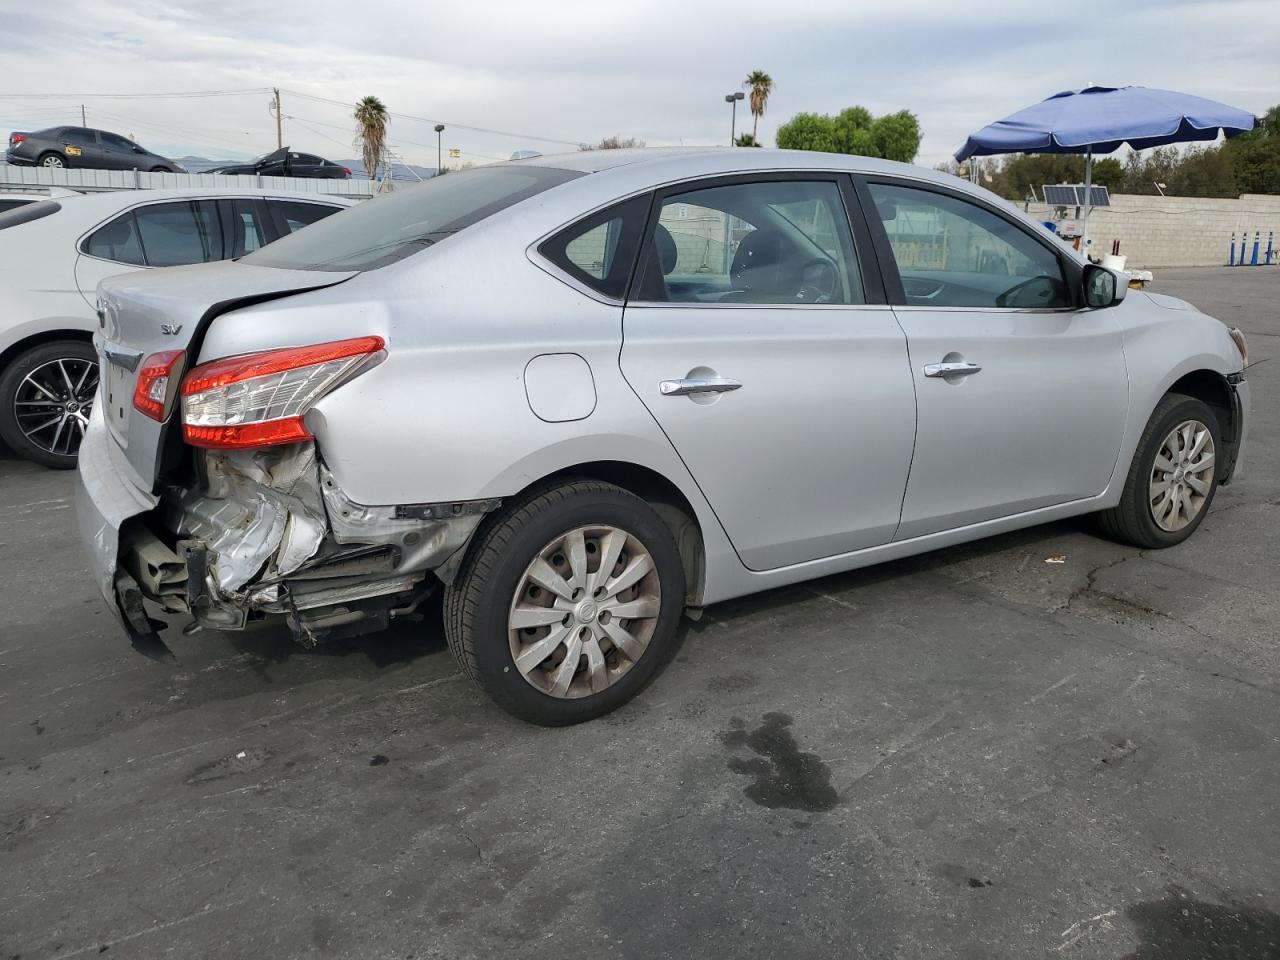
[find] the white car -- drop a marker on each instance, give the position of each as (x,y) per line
(11,201)
(54,251)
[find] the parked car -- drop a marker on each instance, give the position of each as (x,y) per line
(59,147)
(52,255)
(585,393)
(286,162)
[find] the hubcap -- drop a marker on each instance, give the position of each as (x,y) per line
(584,611)
(53,161)
(53,402)
(1182,475)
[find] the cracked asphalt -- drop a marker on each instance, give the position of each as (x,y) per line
(970,754)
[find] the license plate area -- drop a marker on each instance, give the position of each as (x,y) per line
(120,376)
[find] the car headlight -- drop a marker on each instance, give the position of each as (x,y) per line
(1237,337)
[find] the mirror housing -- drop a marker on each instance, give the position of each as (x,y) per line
(1103,287)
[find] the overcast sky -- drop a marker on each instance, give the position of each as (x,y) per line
(657,70)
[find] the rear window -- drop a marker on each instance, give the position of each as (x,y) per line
(28,212)
(389,228)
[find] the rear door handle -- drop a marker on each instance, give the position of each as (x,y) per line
(950,369)
(682,388)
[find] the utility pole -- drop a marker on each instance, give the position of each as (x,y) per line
(439,133)
(279,127)
(83,122)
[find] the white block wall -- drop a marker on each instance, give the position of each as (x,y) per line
(1178,231)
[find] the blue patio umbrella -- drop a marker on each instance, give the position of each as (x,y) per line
(1103,119)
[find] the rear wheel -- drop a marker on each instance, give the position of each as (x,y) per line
(1172,479)
(568,604)
(46,395)
(53,160)
(160,170)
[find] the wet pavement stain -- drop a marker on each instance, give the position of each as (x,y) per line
(785,777)
(1181,927)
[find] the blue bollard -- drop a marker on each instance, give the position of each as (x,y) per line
(1253,261)
(1271,234)
(1232,261)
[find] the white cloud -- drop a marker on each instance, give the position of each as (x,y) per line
(579,71)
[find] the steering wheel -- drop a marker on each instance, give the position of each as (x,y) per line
(819,281)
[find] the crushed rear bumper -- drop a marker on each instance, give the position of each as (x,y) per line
(256,535)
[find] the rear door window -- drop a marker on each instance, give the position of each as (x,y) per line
(174,234)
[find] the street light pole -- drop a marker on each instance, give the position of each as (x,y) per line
(733,98)
(439,132)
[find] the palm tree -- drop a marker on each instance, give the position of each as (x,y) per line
(761,85)
(371,133)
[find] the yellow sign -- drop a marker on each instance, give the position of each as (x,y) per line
(454,152)
(72,151)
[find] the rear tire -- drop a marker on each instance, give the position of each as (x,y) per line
(52,160)
(557,534)
(1172,479)
(160,170)
(34,390)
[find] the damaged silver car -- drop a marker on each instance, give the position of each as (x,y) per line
(585,394)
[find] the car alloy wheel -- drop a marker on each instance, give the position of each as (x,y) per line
(1182,475)
(52,160)
(584,611)
(53,402)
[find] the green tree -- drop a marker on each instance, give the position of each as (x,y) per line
(897,136)
(807,131)
(613,143)
(854,131)
(371,133)
(746,140)
(759,85)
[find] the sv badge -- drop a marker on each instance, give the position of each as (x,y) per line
(172,329)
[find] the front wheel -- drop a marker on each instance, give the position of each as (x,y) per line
(1172,479)
(568,604)
(52,160)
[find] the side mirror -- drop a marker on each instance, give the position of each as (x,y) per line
(138,149)
(1103,287)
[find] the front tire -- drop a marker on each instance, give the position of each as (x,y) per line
(568,603)
(53,161)
(1172,479)
(46,395)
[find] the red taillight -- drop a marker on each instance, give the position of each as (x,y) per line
(16,138)
(151,395)
(259,399)
(347,171)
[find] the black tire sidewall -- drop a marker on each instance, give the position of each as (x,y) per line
(1186,408)
(496,671)
(12,376)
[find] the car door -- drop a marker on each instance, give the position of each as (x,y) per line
(120,153)
(757,336)
(80,148)
(1021,391)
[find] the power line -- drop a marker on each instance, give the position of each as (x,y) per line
(189,95)
(447,123)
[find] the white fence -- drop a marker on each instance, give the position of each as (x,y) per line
(15,178)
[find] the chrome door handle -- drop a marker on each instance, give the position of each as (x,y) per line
(950,369)
(682,388)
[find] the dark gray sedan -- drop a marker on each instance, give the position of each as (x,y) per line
(59,147)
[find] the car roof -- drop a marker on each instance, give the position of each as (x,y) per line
(105,202)
(704,160)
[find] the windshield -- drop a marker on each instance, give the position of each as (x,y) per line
(389,228)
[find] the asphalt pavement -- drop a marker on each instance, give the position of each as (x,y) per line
(970,754)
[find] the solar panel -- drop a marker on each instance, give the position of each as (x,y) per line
(1072,195)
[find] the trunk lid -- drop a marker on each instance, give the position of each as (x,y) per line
(155,310)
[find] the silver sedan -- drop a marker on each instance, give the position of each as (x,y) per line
(585,394)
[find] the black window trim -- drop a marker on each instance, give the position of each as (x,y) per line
(872,288)
(547,252)
(1072,272)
